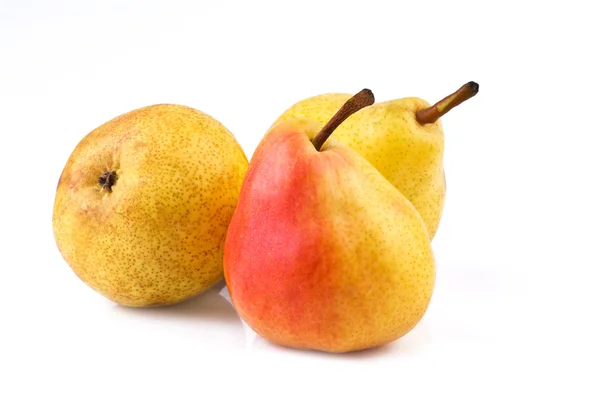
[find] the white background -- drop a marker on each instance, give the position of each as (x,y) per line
(516,301)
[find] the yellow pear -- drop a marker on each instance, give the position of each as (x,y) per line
(402,138)
(143,204)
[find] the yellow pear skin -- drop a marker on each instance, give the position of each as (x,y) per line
(143,205)
(406,152)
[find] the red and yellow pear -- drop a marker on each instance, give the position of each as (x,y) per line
(322,251)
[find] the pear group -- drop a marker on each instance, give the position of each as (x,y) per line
(323,238)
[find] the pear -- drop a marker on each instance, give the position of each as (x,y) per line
(322,251)
(143,204)
(402,138)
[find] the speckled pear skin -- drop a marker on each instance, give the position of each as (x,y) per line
(408,154)
(323,252)
(156,237)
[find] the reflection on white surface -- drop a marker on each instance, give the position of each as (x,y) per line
(250,335)
(209,319)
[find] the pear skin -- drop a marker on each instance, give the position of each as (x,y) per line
(143,205)
(322,251)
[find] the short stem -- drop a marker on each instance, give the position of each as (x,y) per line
(431,114)
(362,99)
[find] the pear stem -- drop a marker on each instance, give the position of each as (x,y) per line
(431,114)
(362,99)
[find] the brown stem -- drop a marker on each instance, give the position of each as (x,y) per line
(431,114)
(362,99)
